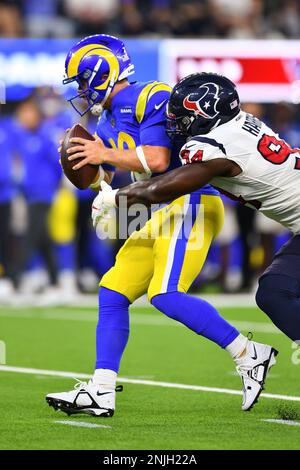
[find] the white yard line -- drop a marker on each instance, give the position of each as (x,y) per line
(282,421)
(82,424)
(148,319)
(199,388)
(91,300)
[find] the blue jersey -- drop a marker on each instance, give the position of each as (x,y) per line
(41,170)
(137,117)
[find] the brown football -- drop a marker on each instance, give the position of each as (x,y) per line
(83,177)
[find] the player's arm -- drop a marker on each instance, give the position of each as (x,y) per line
(156,157)
(176,183)
(94,152)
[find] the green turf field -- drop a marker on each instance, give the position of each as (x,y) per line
(147,417)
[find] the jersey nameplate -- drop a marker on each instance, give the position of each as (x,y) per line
(252,125)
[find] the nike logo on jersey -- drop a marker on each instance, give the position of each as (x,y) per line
(158,106)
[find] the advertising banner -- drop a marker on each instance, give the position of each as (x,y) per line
(29,63)
(264,70)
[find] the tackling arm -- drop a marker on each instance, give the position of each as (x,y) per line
(176,183)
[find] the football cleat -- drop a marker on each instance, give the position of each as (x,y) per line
(88,398)
(253,369)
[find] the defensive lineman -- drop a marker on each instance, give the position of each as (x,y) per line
(246,160)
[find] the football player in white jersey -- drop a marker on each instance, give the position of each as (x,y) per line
(245,159)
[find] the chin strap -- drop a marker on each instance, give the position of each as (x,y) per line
(97,108)
(109,88)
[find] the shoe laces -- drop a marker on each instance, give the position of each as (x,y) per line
(83,385)
(80,384)
(243,369)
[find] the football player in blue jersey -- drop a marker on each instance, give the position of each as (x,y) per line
(131,135)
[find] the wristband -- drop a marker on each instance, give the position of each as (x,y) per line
(142,159)
(100,178)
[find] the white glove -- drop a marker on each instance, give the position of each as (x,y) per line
(103,202)
(136,176)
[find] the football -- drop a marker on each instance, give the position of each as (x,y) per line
(83,177)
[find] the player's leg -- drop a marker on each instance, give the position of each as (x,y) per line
(177,261)
(278,294)
(6,274)
(127,280)
(31,240)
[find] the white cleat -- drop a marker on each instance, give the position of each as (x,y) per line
(253,369)
(88,398)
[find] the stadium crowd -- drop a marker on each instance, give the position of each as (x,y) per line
(180,18)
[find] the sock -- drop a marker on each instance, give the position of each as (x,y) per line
(112,330)
(105,378)
(237,346)
(278,296)
(196,314)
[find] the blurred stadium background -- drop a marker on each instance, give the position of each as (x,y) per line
(48,249)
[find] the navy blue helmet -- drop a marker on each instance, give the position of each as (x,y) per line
(199,103)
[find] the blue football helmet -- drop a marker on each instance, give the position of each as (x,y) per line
(96,63)
(199,103)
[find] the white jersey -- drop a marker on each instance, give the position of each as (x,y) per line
(270,177)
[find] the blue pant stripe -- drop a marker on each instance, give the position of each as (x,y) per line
(183,237)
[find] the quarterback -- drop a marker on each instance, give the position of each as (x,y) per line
(131,134)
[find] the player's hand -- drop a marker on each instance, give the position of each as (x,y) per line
(103,202)
(89,150)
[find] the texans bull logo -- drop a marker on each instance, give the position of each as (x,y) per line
(206,105)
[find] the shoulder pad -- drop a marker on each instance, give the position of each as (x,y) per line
(147,92)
